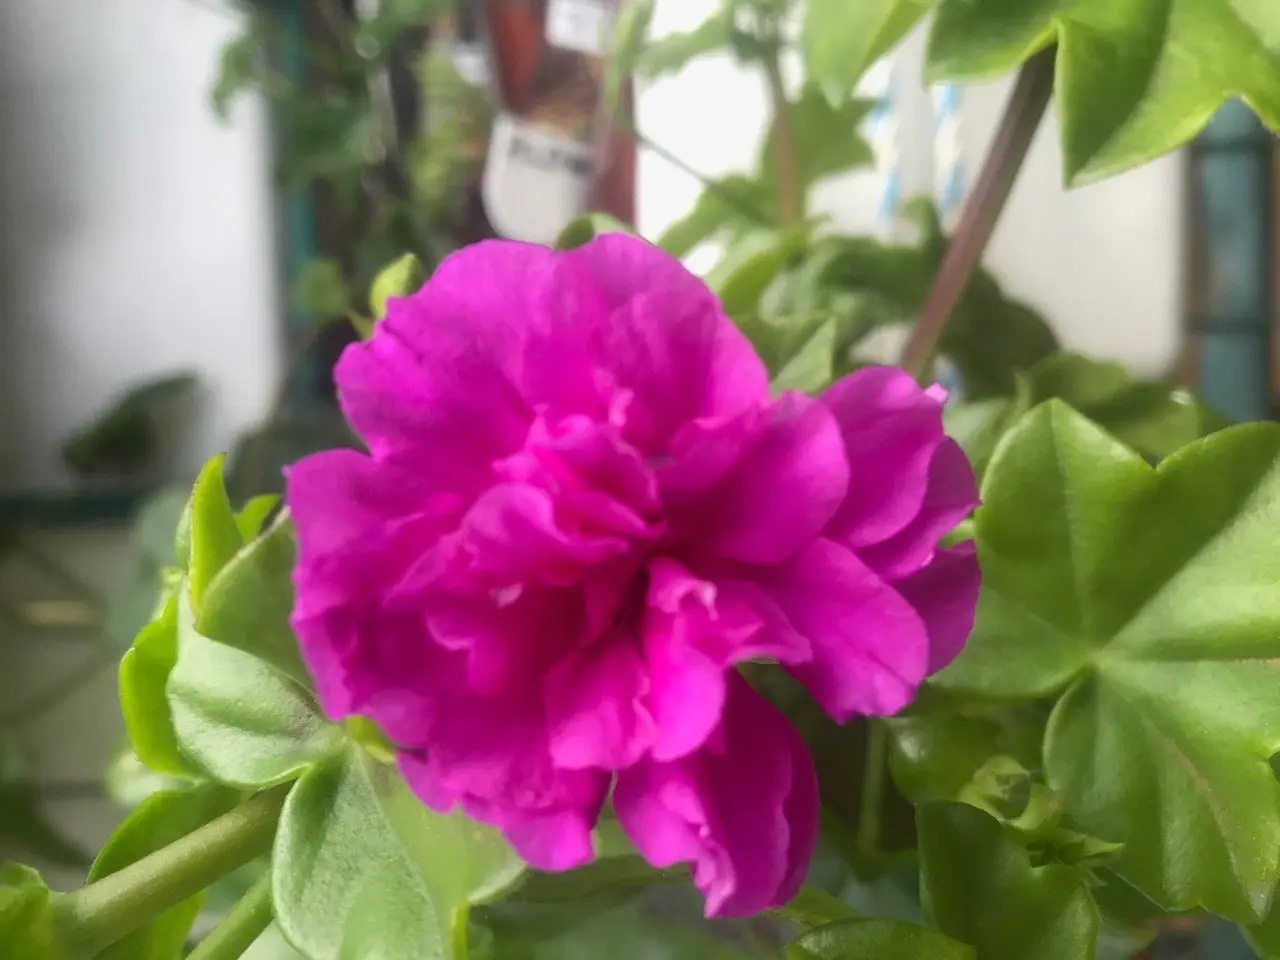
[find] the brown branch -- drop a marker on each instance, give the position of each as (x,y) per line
(1022,115)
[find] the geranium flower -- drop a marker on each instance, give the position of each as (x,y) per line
(581,508)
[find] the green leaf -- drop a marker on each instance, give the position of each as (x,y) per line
(980,888)
(751,263)
(128,436)
(654,923)
(28,919)
(734,201)
(630,35)
(248,604)
(672,53)
(321,289)
(1134,78)
(587,227)
(402,278)
(237,67)
(410,906)
(144,674)
(828,139)
(842,39)
(460,861)
(876,940)
(812,369)
(1152,417)
(215,537)
(253,515)
(238,720)
(1150,597)
(158,821)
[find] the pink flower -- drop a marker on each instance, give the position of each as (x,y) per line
(581,509)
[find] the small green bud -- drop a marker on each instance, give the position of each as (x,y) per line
(400,279)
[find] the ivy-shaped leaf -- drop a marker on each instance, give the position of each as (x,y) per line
(1152,417)
(1148,600)
(345,881)
(842,39)
(1134,78)
(980,888)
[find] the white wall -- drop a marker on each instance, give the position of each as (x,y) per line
(1101,262)
(135,230)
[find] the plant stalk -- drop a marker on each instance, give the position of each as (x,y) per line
(107,910)
(231,938)
(869,810)
(783,144)
(1021,119)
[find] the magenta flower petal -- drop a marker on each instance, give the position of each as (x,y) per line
(667,342)
(744,812)
(945,594)
(870,647)
(885,418)
(582,509)
(787,483)
(951,496)
(597,707)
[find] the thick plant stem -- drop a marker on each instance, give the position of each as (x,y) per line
(1022,115)
(109,909)
(869,810)
(241,927)
(783,145)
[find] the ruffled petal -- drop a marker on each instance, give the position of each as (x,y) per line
(513,535)
(666,341)
(597,707)
(744,813)
(951,496)
(945,594)
(787,482)
(451,376)
(870,648)
(891,429)
(492,758)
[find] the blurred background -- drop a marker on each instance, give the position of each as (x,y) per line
(195,196)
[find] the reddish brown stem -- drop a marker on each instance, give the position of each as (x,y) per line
(783,145)
(1022,115)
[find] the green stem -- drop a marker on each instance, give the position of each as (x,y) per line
(1022,115)
(869,809)
(241,927)
(109,909)
(783,144)
(60,689)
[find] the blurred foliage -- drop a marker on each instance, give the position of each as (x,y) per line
(385,156)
